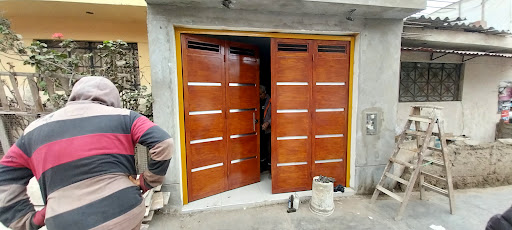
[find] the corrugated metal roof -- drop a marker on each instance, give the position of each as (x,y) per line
(456,24)
(459,52)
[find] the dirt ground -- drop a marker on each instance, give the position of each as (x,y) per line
(475,165)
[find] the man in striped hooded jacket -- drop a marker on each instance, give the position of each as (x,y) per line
(83,159)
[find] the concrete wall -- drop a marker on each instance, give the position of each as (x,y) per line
(476,114)
(375,76)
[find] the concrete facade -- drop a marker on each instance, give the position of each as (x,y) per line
(375,88)
(476,114)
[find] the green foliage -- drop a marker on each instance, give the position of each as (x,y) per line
(117,66)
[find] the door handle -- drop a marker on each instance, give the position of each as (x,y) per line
(255,121)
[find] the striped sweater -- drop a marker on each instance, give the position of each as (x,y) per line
(81,156)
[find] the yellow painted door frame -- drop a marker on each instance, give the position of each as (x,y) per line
(180,30)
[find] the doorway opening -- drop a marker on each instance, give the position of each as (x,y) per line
(230,175)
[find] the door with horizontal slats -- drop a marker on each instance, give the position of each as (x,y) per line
(221,81)
(329,108)
(291,94)
(204,103)
(242,69)
(310,121)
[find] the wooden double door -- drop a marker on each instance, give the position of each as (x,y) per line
(221,101)
(309,117)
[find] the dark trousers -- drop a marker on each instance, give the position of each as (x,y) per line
(265,151)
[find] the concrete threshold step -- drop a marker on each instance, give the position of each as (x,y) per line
(237,203)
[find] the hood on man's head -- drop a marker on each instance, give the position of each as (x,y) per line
(96,89)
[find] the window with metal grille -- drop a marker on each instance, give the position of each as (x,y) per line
(427,82)
(95,62)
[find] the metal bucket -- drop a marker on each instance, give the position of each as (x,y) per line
(322,202)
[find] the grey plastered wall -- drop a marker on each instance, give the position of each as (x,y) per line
(376,71)
(377,86)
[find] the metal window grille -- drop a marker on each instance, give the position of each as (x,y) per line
(428,82)
(95,61)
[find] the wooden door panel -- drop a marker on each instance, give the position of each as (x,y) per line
(331,50)
(243,72)
(200,45)
(291,90)
(243,97)
(203,98)
(292,151)
(207,153)
(291,97)
(205,68)
(330,96)
(203,64)
(291,178)
(206,126)
(330,91)
(337,170)
(207,182)
(244,173)
(330,71)
(330,123)
(292,124)
(243,147)
(242,122)
(292,69)
(330,148)
(243,93)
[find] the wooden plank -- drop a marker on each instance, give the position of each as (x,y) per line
(433,176)
(157,201)
(24,74)
(435,149)
(420,133)
(148,217)
(50,86)
(433,161)
(435,189)
(396,178)
(148,196)
(3,97)
(448,166)
(166,196)
(4,138)
(422,189)
(34,90)
(406,164)
(17,95)
(389,193)
(20,113)
(420,119)
(428,106)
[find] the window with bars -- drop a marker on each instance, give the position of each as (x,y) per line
(429,82)
(95,62)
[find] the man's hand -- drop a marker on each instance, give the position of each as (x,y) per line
(265,126)
(134,181)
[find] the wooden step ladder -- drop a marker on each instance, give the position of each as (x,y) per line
(423,141)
